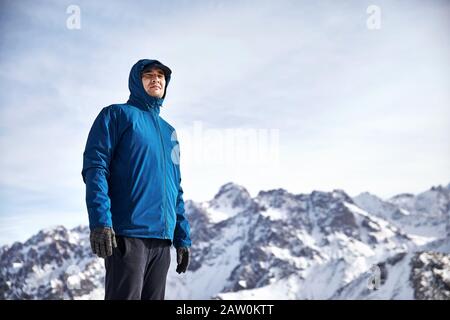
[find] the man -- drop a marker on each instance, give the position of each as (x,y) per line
(133,189)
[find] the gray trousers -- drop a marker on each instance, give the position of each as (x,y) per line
(137,270)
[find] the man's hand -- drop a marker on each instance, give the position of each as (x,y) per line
(182,259)
(103,241)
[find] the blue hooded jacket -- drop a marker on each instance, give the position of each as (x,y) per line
(131,168)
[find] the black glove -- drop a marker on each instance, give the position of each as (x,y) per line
(103,241)
(182,259)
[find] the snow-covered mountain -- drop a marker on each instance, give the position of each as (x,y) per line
(277,245)
(423,215)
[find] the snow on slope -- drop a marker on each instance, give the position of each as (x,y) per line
(277,245)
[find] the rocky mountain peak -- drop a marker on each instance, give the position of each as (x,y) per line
(232,195)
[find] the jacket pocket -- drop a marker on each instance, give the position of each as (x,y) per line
(122,248)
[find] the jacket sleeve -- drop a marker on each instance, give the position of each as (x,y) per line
(96,160)
(182,228)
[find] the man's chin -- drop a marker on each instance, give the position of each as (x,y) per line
(155,95)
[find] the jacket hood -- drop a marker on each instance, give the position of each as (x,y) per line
(138,95)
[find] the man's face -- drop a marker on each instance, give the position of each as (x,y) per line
(154,82)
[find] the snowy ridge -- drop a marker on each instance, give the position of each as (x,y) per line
(425,215)
(229,201)
(277,245)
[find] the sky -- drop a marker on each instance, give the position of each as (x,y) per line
(298,95)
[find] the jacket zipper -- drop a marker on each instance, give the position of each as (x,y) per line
(164,171)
